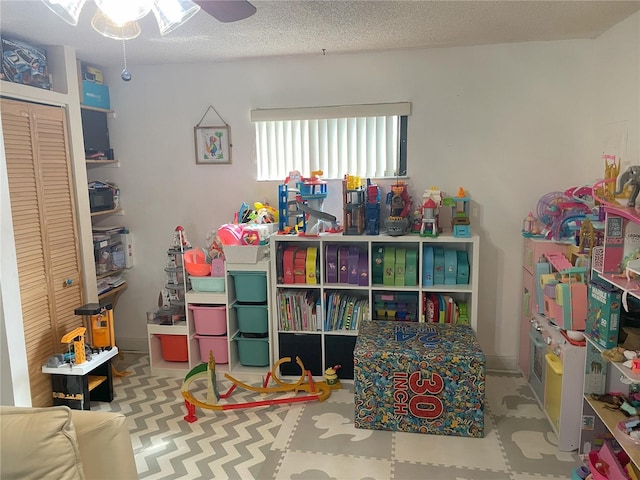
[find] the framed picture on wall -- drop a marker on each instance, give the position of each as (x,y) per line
(213,145)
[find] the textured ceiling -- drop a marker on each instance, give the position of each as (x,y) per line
(306,27)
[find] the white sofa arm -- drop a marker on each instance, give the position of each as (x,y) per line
(64,444)
(105,445)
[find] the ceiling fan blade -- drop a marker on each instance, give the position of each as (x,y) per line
(227,10)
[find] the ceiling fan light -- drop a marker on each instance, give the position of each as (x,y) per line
(107,28)
(170,14)
(122,11)
(68,10)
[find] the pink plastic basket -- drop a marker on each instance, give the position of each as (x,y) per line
(210,319)
(218,345)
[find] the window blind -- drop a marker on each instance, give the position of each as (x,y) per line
(359,140)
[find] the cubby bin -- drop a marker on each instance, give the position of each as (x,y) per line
(219,345)
(250,287)
(209,319)
(339,351)
(252,318)
(174,348)
(253,351)
(207,284)
(306,346)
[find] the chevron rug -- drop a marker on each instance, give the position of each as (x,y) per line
(308,441)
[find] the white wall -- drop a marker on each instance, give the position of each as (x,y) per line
(509,123)
(617,90)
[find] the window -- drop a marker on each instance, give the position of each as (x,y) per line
(363,140)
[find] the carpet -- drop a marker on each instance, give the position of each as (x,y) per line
(317,440)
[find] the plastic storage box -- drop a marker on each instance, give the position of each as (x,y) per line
(251,287)
(216,344)
(419,377)
(253,351)
(174,347)
(245,253)
(252,318)
(207,284)
(209,320)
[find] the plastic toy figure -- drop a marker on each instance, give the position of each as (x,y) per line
(429,226)
(373,208)
(330,375)
(630,177)
(180,238)
(401,205)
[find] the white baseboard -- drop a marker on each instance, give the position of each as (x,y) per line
(501,364)
(133,344)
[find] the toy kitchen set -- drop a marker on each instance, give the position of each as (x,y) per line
(554,312)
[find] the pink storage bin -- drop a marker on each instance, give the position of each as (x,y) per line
(217,344)
(210,319)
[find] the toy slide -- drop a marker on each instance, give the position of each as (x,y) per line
(316,213)
(317,391)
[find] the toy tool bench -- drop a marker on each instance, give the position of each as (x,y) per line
(419,377)
(85,372)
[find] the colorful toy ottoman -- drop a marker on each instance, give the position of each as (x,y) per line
(419,377)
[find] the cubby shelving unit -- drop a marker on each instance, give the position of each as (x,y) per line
(187,328)
(326,346)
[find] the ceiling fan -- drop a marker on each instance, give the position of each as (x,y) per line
(227,10)
(118,19)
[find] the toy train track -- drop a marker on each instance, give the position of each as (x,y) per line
(316,391)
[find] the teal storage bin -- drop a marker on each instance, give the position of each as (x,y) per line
(95,95)
(252,318)
(251,287)
(252,351)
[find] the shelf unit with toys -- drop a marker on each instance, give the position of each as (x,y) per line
(615,263)
(190,321)
(326,285)
(172,349)
(554,299)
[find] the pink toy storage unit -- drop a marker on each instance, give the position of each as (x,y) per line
(419,377)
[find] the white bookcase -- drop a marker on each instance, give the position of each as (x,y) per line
(320,348)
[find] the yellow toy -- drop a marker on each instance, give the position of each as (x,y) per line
(330,375)
(611,171)
(75,342)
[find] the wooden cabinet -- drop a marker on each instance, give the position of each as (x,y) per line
(46,239)
(304,309)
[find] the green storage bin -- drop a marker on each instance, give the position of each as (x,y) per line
(252,351)
(252,318)
(207,284)
(251,287)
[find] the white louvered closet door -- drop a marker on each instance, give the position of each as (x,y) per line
(44,222)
